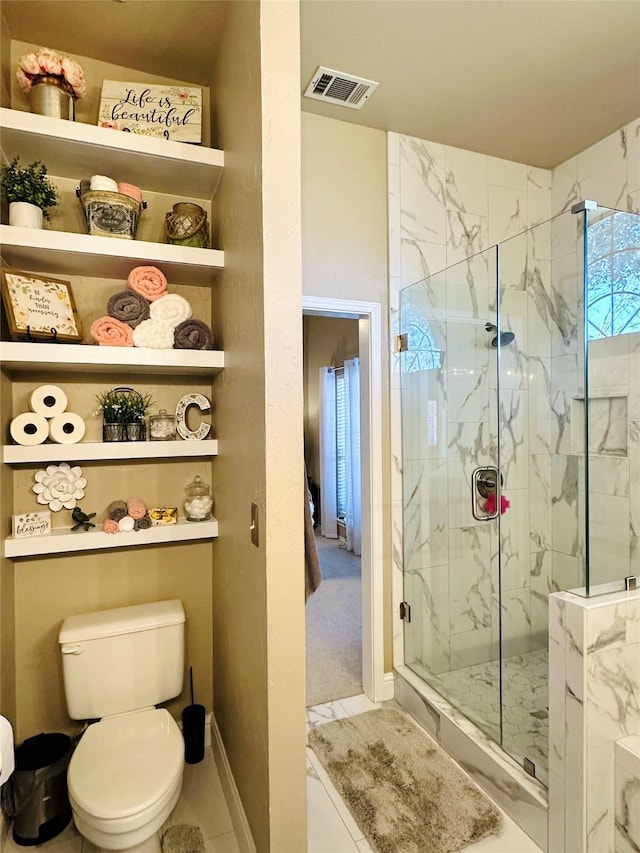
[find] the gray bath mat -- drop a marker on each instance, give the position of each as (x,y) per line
(182,838)
(404,792)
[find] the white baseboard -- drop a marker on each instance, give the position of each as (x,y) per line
(388,686)
(232,796)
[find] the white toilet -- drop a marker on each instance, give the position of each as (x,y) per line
(125,775)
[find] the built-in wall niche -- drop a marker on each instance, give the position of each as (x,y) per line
(608,426)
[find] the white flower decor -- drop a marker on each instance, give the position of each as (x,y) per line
(59,486)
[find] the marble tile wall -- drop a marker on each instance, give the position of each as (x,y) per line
(627,794)
(594,702)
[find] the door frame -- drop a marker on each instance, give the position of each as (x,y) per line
(369,316)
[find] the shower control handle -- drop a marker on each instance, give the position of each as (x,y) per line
(484,482)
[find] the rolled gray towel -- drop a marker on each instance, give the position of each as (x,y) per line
(142,523)
(128,307)
(192,334)
(117,510)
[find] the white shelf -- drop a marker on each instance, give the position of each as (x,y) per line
(108,451)
(70,358)
(63,253)
(65,541)
(76,150)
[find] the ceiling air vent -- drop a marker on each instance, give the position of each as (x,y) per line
(334,87)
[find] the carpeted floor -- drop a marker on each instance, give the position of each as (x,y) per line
(404,792)
(334,627)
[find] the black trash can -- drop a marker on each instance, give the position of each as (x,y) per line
(35,795)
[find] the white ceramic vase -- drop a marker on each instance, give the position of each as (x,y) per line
(25,215)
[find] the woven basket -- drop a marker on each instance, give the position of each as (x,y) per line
(110,214)
(186,225)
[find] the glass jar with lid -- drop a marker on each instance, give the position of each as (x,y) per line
(198,503)
(162,427)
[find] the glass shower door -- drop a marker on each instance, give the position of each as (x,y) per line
(451,582)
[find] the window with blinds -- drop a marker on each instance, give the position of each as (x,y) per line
(341,441)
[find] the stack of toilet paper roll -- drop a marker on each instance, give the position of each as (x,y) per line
(48,418)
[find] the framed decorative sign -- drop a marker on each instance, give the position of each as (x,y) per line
(31,524)
(40,308)
(170,112)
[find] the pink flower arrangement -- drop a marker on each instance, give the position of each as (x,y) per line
(48,63)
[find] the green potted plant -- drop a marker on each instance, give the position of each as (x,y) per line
(29,191)
(123,414)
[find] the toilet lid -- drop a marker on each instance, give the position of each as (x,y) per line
(124,764)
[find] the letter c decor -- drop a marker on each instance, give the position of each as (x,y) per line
(182,409)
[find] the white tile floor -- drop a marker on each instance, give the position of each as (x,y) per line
(201,803)
(331,829)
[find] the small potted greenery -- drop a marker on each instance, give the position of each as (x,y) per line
(29,191)
(123,412)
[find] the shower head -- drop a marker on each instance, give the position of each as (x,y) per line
(505,337)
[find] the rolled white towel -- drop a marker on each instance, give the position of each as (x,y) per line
(170,309)
(102,182)
(153,334)
(126,524)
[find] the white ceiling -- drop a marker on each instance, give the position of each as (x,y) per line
(535,81)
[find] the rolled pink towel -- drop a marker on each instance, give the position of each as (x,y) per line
(149,282)
(126,524)
(131,190)
(110,526)
(136,508)
(109,332)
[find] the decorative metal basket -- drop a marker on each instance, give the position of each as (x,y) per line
(110,214)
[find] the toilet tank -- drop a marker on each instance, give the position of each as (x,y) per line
(122,660)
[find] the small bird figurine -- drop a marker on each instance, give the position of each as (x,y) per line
(82,519)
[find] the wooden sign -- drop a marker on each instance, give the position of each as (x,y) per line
(40,307)
(31,524)
(170,112)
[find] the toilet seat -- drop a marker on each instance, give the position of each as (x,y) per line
(125,771)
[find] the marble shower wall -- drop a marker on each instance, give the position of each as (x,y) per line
(447,205)
(594,702)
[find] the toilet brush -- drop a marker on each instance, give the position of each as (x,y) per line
(193,729)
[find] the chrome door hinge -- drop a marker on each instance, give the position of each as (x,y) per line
(401,343)
(405,611)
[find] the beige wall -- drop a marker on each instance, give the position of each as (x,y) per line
(328,341)
(258,654)
(344,253)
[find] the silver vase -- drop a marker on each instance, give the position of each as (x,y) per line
(114,432)
(48,98)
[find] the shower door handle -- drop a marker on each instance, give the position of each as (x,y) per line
(484,482)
